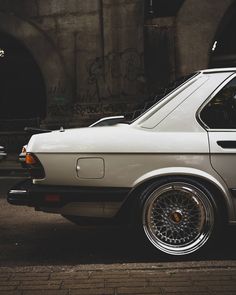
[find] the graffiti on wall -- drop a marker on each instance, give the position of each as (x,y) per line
(57,92)
(118,74)
(110,82)
(84,110)
(102,109)
(57,89)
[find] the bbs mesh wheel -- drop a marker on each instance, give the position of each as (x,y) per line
(178,217)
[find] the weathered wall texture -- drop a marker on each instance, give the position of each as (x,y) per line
(196,27)
(159,37)
(90,53)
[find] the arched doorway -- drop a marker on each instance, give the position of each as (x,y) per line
(58,83)
(223,50)
(23,93)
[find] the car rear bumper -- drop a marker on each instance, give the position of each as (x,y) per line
(86,201)
(20,194)
(19,197)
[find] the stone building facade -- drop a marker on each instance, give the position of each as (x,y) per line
(69,62)
(89,53)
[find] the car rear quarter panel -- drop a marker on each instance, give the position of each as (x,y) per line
(125,170)
(131,170)
(130,159)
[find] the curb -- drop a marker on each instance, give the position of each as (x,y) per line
(168,266)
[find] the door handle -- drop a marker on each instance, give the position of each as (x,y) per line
(227,144)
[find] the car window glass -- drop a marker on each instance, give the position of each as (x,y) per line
(220,112)
(153,100)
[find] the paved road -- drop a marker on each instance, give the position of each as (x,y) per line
(45,254)
(36,238)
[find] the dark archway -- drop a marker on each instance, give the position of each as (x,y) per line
(23,93)
(196,26)
(223,51)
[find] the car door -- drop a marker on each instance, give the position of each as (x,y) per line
(219,117)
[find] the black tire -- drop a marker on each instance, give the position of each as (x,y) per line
(179,216)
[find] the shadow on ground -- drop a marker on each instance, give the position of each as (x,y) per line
(36,238)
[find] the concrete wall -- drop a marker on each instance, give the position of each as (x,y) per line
(196,26)
(90,53)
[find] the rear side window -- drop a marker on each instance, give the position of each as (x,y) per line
(163,92)
(220,112)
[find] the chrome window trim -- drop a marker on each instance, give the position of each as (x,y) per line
(211,96)
(220,130)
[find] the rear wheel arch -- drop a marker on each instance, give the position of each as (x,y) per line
(213,187)
(221,199)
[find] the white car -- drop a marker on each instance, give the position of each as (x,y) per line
(171,172)
(3,154)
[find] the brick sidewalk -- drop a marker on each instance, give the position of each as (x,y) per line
(203,278)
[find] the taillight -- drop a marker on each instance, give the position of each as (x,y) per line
(34,166)
(30,159)
(52,198)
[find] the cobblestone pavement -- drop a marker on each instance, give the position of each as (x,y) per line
(203,278)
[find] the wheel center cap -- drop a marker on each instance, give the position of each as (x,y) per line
(176,216)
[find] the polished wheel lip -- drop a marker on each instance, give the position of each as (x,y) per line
(204,209)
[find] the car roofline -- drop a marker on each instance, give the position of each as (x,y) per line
(217,70)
